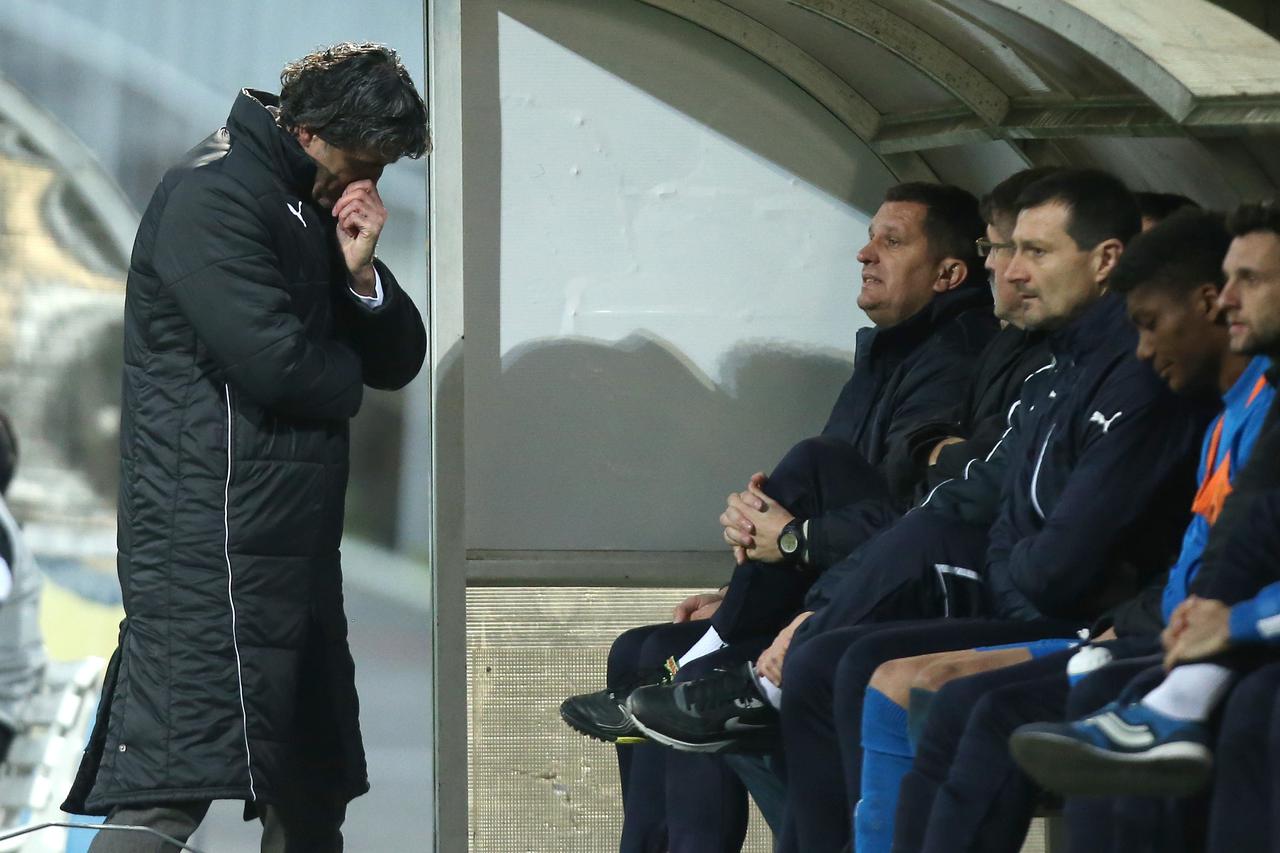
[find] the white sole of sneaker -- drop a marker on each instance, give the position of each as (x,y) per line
(1067,766)
(684,746)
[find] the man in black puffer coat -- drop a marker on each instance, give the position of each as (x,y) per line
(255,313)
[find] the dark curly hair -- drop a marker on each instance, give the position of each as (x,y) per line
(1179,254)
(357,97)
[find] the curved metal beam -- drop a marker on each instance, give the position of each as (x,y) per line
(853,110)
(931,57)
(820,82)
(115,213)
(1178,53)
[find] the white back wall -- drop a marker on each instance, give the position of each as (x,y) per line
(674,293)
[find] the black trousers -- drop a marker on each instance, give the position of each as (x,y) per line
(824,684)
(642,767)
(706,801)
(1245,805)
(817,475)
(924,565)
(964,792)
(1125,824)
(677,801)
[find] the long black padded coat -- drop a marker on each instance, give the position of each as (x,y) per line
(245,356)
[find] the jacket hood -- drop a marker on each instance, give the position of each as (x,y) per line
(252,124)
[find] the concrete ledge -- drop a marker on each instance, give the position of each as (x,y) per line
(599,568)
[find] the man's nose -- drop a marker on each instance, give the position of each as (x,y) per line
(1145,350)
(1015,273)
(867,254)
(1227,296)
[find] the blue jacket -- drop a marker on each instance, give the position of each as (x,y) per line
(1227,446)
(1099,467)
(913,373)
(1257,620)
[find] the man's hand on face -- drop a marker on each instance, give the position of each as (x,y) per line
(361,215)
(738,530)
(1206,631)
(695,607)
(769,664)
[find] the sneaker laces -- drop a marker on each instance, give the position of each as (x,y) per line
(722,687)
(642,678)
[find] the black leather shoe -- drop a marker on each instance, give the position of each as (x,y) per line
(603,715)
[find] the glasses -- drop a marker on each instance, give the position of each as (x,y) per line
(986,247)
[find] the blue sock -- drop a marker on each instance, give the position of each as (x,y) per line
(886,758)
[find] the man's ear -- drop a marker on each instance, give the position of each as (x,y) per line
(1105,255)
(303,135)
(952,272)
(1206,299)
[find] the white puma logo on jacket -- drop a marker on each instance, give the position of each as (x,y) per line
(1104,421)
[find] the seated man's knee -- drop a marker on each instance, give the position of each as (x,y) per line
(957,665)
(895,678)
(938,674)
(625,653)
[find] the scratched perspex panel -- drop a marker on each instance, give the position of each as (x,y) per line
(536,786)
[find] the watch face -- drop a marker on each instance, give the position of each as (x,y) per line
(788,542)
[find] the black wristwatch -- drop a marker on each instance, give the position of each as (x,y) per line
(791,542)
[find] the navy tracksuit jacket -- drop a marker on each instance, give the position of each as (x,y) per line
(1086,496)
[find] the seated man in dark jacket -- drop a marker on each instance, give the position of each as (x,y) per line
(1157,740)
(934,452)
(1171,278)
(255,314)
(932,316)
(1070,521)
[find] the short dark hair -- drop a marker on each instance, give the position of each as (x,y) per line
(1159,206)
(1100,205)
(1255,216)
(8,452)
(999,208)
(357,97)
(951,221)
(1179,254)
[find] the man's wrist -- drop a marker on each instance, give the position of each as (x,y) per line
(365,281)
(1244,624)
(791,542)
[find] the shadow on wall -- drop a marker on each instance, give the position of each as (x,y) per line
(654,471)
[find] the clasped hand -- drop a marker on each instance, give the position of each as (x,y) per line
(753,521)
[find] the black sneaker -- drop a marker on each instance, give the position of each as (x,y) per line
(723,712)
(603,715)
